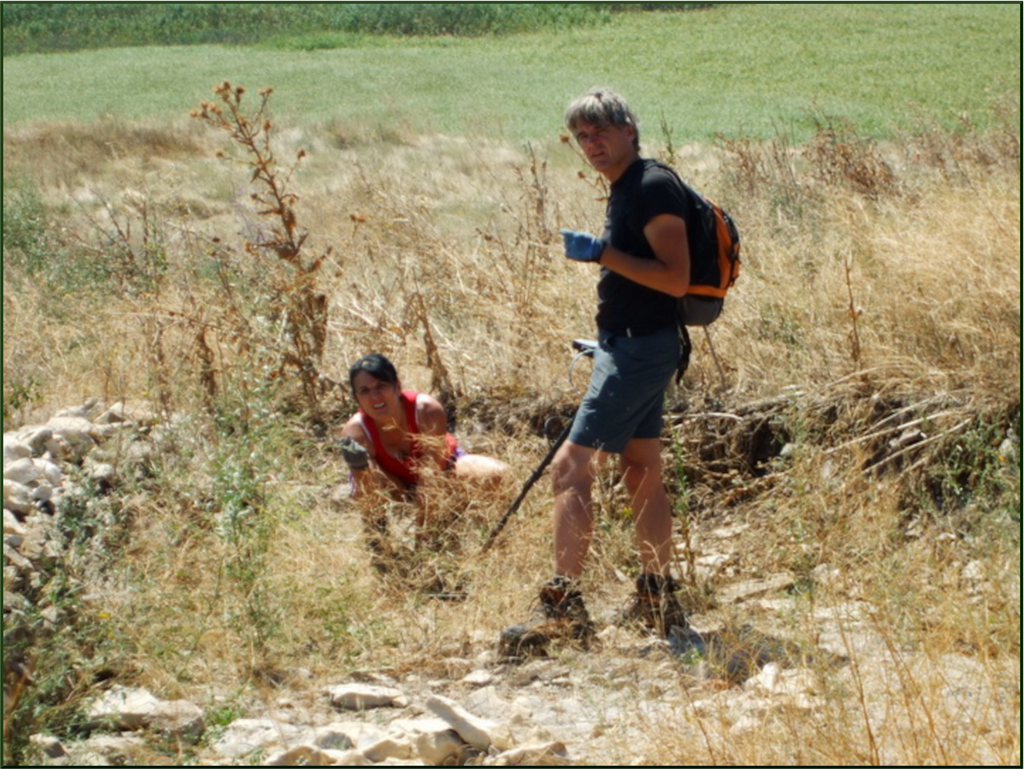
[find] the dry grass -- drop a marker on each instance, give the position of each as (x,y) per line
(862,307)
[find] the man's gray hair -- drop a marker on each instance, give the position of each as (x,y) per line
(602,107)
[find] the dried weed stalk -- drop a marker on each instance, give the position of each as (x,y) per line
(842,158)
(296,300)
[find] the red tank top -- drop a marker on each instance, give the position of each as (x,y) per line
(404,470)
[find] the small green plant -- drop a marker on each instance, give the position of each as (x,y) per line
(37,249)
(24,226)
(243,510)
(19,393)
(681,507)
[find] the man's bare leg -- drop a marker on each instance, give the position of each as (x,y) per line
(652,513)
(572,474)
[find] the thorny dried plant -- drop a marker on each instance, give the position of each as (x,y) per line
(842,157)
(296,301)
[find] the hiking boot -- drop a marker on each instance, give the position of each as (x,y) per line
(560,614)
(654,606)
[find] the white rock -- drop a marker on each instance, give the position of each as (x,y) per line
(76,433)
(747,589)
(15,449)
(333,737)
(103,433)
(478,677)
(51,472)
(105,750)
(765,681)
(48,744)
(308,755)
(546,754)
(365,697)
(18,498)
(123,708)
(23,471)
(401,747)
(800,683)
(728,532)
(438,748)
(87,410)
(356,734)
(401,762)
(746,724)
(179,719)
(114,415)
(245,735)
(825,574)
(773,689)
(16,560)
(42,492)
(478,732)
(42,539)
(973,572)
(487,703)
(12,525)
(103,473)
(1008,451)
(36,437)
(348,757)
(51,615)
(433,739)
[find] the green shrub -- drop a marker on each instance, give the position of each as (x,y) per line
(40,27)
(24,227)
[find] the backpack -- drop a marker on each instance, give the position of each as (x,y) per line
(714,267)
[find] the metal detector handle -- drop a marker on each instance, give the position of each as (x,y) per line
(584,346)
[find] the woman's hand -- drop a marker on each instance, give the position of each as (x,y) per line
(355,455)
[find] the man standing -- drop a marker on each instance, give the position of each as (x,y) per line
(645,265)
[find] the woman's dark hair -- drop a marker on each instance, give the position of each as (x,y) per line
(377,366)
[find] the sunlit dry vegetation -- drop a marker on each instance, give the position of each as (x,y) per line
(222,282)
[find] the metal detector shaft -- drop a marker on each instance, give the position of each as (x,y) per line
(534,477)
(585,349)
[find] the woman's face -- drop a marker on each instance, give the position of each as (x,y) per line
(377,399)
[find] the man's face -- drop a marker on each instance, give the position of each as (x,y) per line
(609,148)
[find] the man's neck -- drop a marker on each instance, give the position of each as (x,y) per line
(616,173)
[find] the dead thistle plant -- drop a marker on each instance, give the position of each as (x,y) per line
(296,301)
(842,158)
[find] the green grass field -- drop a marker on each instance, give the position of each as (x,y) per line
(742,69)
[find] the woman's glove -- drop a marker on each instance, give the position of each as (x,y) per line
(582,246)
(355,455)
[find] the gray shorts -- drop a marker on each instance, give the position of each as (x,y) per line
(626,397)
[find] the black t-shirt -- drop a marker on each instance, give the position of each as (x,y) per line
(647,189)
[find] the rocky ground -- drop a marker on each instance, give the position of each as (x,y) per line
(610,705)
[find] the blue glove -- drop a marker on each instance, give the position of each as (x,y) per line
(582,246)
